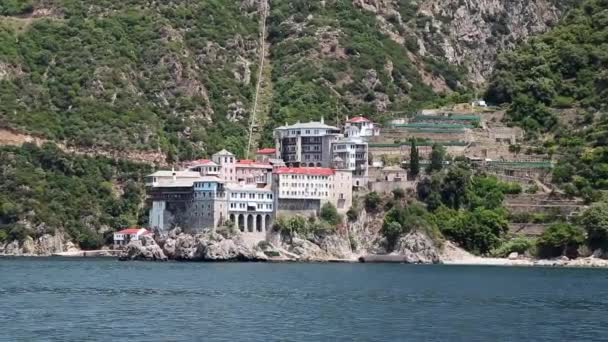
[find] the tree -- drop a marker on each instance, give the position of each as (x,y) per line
(560,239)
(398,193)
(414,159)
(595,221)
(372,201)
(437,156)
(329,214)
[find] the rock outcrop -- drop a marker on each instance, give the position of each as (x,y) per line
(209,246)
(143,249)
(45,245)
(417,248)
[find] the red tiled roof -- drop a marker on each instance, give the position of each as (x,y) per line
(311,171)
(249,162)
(267,150)
(357,119)
(132,231)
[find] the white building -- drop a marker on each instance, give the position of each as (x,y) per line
(306,189)
(306,144)
(360,127)
(123,237)
(250,208)
(353,153)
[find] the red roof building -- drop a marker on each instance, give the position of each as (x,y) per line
(310,171)
(127,235)
(266,151)
(358,119)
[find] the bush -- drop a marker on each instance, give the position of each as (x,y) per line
(560,239)
(3,235)
(521,245)
(352,214)
(398,193)
(372,201)
(595,221)
(329,214)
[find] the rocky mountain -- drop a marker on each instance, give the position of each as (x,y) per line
(180,76)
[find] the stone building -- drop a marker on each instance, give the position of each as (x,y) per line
(353,153)
(360,127)
(250,208)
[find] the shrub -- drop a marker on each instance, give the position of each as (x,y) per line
(595,221)
(352,214)
(3,235)
(521,245)
(372,201)
(329,214)
(560,239)
(398,193)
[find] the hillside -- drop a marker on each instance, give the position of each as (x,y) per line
(179,77)
(556,86)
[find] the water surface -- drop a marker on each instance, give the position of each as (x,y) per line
(105,300)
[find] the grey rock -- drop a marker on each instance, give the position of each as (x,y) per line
(417,248)
(143,249)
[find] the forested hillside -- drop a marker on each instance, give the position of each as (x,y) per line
(557,88)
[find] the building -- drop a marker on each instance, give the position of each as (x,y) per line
(204,167)
(226,162)
(360,127)
(264,155)
(250,208)
(305,189)
(123,237)
(253,172)
(353,153)
(306,144)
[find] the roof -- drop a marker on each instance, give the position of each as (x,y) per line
(312,124)
(393,168)
(223,152)
(358,119)
(178,174)
(202,162)
(253,163)
(311,171)
(246,187)
(267,150)
(134,231)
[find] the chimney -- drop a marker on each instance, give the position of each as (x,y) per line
(322,121)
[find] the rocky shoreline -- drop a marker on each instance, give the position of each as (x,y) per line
(413,248)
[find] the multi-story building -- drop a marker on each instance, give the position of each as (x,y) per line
(353,153)
(204,167)
(306,189)
(250,208)
(306,144)
(226,162)
(360,127)
(253,172)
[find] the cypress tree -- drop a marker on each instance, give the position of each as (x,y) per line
(414,159)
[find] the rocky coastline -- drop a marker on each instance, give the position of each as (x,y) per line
(413,248)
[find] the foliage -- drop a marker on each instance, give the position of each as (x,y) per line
(53,190)
(298,225)
(566,67)
(595,221)
(401,220)
(520,245)
(560,239)
(437,156)
(398,193)
(329,214)
(353,212)
(372,201)
(414,159)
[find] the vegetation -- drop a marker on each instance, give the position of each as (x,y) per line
(557,83)
(401,220)
(329,214)
(299,225)
(372,202)
(560,239)
(44,190)
(437,156)
(414,159)
(595,222)
(519,245)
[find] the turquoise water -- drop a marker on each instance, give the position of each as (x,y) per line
(106,300)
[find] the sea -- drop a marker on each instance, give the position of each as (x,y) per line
(72,299)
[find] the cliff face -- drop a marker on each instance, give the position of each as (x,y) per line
(468,33)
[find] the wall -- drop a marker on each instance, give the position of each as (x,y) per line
(387,187)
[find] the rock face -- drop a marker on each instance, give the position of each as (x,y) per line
(45,245)
(209,246)
(417,248)
(143,249)
(469,33)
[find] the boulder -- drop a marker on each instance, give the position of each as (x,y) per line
(12,248)
(513,256)
(417,248)
(143,249)
(28,246)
